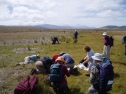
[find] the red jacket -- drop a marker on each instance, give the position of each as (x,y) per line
(65,73)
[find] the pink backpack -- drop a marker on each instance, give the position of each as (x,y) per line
(26,85)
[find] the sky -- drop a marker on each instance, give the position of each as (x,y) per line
(92,13)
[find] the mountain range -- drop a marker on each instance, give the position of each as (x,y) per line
(113,27)
(50,26)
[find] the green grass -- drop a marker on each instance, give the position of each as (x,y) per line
(78,84)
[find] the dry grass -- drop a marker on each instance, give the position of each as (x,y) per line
(10,75)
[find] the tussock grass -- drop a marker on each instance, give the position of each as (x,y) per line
(79,84)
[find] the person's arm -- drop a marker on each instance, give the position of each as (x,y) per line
(86,60)
(67,72)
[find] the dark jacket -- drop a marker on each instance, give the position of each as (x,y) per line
(106,41)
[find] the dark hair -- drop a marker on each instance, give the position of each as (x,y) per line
(87,48)
(62,53)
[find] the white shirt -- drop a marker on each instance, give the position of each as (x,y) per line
(90,54)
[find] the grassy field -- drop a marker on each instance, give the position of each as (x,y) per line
(14,46)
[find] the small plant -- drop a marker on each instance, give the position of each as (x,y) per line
(4,42)
(63,39)
(3,91)
(42,43)
(29,49)
(67,40)
(35,41)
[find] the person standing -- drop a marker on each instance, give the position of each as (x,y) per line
(106,48)
(75,36)
(124,42)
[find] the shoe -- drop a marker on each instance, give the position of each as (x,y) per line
(33,71)
(87,74)
(17,64)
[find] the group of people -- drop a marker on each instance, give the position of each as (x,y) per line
(94,61)
(44,63)
(100,67)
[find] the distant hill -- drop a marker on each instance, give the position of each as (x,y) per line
(113,27)
(49,26)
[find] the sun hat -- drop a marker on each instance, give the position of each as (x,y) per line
(105,33)
(60,58)
(103,55)
(97,56)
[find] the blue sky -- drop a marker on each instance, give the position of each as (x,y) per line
(93,13)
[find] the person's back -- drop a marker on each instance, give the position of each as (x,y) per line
(47,62)
(90,54)
(68,59)
(33,58)
(75,34)
(106,76)
(61,86)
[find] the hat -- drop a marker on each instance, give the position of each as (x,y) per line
(105,33)
(97,56)
(103,55)
(61,53)
(60,58)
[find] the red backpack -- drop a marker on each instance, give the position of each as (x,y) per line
(26,85)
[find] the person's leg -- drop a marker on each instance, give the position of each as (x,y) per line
(104,50)
(64,88)
(26,60)
(40,67)
(108,52)
(71,66)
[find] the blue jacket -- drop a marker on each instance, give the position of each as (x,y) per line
(33,58)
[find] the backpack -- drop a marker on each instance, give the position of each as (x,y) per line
(26,86)
(55,73)
(111,40)
(124,40)
(106,75)
(46,60)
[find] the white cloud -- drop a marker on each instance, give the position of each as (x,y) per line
(62,12)
(110,14)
